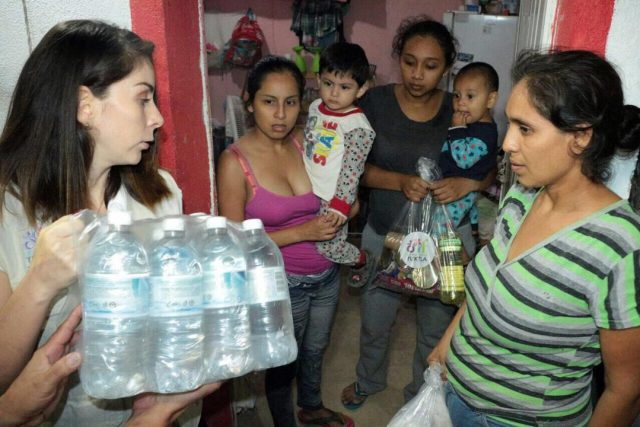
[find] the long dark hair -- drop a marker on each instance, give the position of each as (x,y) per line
(45,153)
(578,90)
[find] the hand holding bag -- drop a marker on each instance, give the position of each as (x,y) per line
(409,262)
(428,408)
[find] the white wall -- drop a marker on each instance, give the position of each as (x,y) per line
(15,49)
(538,19)
(622,47)
(622,51)
(24,22)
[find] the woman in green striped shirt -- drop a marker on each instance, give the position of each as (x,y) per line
(556,291)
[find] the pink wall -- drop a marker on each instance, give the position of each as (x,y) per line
(174,28)
(582,24)
(370,23)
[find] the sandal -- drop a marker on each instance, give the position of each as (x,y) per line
(335,417)
(358,277)
(359,397)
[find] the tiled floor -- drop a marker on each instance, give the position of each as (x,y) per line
(339,367)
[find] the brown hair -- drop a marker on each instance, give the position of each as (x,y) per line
(45,153)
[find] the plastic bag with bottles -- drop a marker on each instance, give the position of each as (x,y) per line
(422,251)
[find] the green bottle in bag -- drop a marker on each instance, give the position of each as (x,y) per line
(451,269)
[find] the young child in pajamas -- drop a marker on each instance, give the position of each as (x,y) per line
(337,140)
(471,147)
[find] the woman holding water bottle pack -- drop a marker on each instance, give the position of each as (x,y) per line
(262,176)
(79,135)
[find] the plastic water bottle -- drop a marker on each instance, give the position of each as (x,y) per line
(451,269)
(115,308)
(226,314)
(176,310)
(272,339)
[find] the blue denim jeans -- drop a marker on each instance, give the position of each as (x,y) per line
(314,299)
(462,415)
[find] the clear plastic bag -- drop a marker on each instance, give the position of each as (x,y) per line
(428,408)
(411,261)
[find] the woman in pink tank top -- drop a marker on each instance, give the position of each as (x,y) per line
(263,176)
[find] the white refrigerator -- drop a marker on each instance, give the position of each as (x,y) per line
(490,39)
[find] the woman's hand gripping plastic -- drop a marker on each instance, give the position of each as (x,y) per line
(428,408)
(85,223)
(54,265)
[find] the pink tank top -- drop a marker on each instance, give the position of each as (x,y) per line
(278,212)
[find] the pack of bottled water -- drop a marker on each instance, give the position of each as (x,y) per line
(173,303)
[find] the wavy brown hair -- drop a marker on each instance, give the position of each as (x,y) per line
(45,153)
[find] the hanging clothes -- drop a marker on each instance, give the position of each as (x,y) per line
(318,23)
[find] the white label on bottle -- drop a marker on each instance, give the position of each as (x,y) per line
(175,295)
(417,249)
(223,288)
(110,294)
(267,284)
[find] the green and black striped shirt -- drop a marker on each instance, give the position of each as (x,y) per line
(527,343)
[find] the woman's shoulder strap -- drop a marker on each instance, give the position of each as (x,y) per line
(296,142)
(246,168)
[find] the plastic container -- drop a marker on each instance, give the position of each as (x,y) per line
(451,269)
(272,339)
(177,302)
(472,6)
(175,311)
(511,6)
(226,328)
(115,308)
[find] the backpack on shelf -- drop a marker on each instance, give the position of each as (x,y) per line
(245,46)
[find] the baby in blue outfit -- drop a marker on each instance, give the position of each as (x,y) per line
(471,148)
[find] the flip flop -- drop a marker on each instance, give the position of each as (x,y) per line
(358,277)
(359,397)
(335,417)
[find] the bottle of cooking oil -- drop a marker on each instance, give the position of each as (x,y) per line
(451,269)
